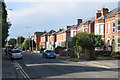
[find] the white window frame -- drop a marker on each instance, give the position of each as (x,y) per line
(118,48)
(63,37)
(113,27)
(58,38)
(97,29)
(101,30)
(117,24)
(78,30)
(87,30)
(74,33)
(82,30)
(108,27)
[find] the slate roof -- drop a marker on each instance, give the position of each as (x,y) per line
(64,31)
(90,20)
(39,33)
(112,13)
(44,34)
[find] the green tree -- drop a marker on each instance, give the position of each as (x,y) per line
(86,43)
(28,43)
(12,41)
(20,40)
(5,25)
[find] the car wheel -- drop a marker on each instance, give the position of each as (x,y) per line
(43,56)
(11,58)
(54,57)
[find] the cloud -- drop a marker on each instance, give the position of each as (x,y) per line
(48,15)
(62,0)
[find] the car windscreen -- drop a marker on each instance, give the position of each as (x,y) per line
(49,51)
(16,51)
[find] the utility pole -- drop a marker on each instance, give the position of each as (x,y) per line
(29,41)
(32,43)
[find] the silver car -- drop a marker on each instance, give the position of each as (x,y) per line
(16,53)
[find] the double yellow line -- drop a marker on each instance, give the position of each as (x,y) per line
(24,74)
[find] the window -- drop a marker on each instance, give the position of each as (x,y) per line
(82,30)
(58,38)
(78,30)
(118,24)
(85,29)
(113,27)
(118,43)
(63,44)
(108,27)
(63,37)
(101,29)
(96,29)
(50,43)
(74,33)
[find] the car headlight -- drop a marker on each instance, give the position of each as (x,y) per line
(48,54)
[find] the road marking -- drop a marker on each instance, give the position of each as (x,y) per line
(90,64)
(23,72)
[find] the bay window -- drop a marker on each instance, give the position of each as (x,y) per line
(74,33)
(101,29)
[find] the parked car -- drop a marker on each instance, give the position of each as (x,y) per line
(19,49)
(116,54)
(49,54)
(15,54)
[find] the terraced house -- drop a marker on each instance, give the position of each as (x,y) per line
(106,24)
(86,26)
(51,37)
(63,38)
(37,38)
(43,40)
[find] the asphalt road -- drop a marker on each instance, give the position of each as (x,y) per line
(37,67)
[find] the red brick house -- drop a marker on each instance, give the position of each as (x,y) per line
(37,38)
(107,26)
(63,38)
(51,37)
(43,40)
(86,26)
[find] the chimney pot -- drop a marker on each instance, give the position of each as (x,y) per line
(98,14)
(79,21)
(104,11)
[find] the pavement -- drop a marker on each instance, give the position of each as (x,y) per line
(110,64)
(9,71)
(113,64)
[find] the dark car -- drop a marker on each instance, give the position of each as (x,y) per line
(116,54)
(49,54)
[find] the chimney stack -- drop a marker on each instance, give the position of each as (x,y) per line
(104,11)
(44,32)
(60,29)
(98,14)
(79,21)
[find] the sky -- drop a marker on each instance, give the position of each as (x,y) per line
(29,17)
